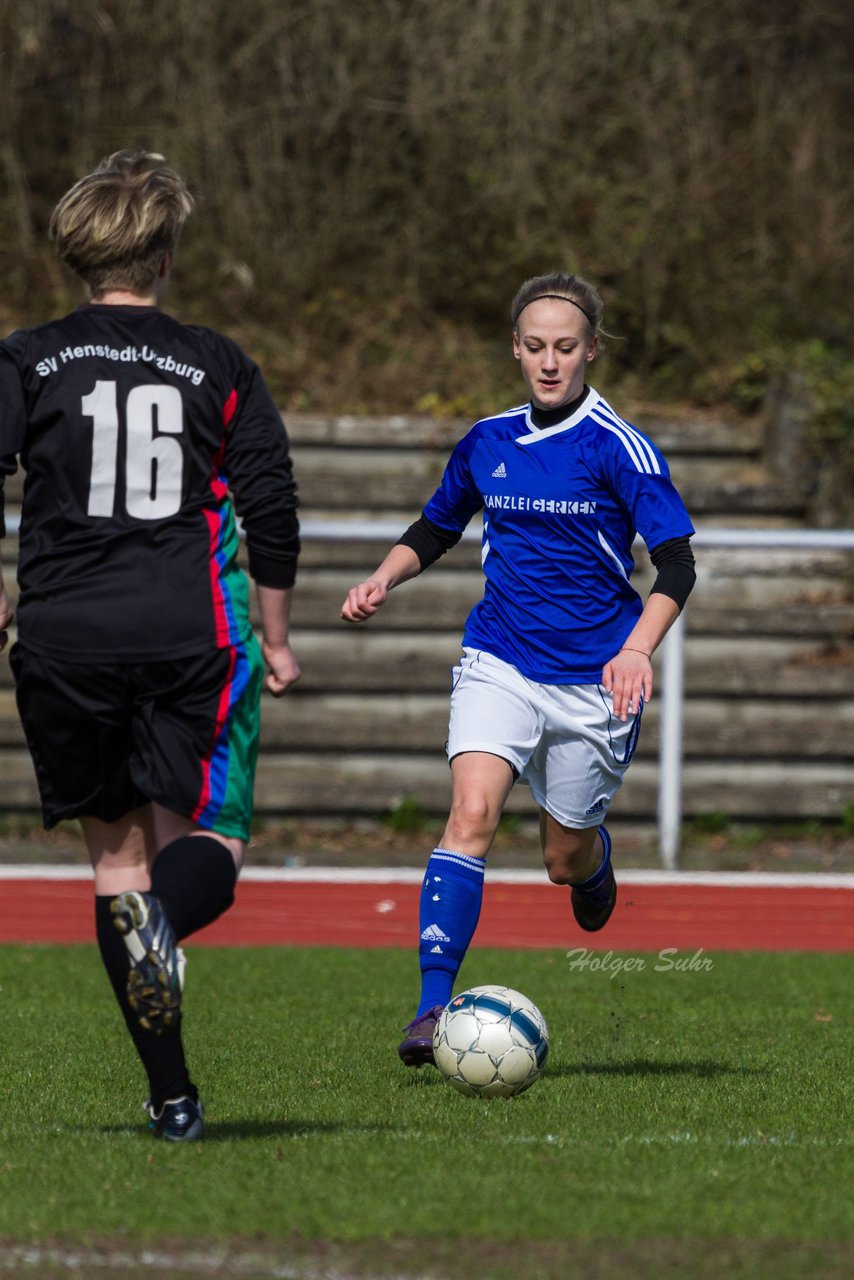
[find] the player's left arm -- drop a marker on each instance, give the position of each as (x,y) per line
(7,613)
(628,676)
(274,606)
(642,479)
(260,476)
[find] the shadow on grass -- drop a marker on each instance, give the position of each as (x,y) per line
(230,1130)
(703,1069)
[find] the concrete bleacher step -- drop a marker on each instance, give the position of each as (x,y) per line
(392,465)
(736,591)
(373,783)
(336,783)
(393,462)
(403,481)
(676,431)
(714,728)
(370,662)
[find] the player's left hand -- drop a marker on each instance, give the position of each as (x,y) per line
(628,678)
(7,617)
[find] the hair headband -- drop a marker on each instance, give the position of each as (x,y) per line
(560,298)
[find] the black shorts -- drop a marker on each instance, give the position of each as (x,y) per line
(109,738)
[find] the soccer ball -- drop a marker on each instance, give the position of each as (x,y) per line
(491,1042)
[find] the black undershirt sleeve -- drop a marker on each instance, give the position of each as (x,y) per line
(429,541)
(676,575)
(279,570)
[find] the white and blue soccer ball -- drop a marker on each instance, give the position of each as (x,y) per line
(491,1042)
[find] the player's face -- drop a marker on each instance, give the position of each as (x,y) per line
(552,346)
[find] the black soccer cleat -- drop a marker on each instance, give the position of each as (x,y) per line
(592,911)
(178,1120)
(155,977)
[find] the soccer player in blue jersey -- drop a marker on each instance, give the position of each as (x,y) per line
(555,668)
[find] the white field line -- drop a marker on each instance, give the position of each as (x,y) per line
(414,875)
(19,1260)
(679,1138)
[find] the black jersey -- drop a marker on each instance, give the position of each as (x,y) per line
(135,433)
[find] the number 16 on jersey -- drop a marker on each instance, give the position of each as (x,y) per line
(154,465)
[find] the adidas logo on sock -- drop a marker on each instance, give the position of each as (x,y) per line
(436,951)
(500,472)
(434,934)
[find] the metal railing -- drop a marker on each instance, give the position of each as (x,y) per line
(673,669)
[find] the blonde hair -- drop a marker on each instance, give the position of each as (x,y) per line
(114,227)
(570,288)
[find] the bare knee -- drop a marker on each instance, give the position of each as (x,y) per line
(471,826)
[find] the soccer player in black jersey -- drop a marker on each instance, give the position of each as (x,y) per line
(137,673)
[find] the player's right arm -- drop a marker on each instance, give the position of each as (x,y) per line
(439,527)
(363,600)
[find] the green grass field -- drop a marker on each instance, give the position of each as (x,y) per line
(690,1123)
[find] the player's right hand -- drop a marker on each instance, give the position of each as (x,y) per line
(363,601)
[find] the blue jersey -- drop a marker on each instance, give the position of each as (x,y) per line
(561,508)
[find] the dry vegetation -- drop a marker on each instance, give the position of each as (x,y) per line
(376,178)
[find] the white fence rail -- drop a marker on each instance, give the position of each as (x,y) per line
(673,667)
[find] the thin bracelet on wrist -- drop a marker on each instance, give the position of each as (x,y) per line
(627,648)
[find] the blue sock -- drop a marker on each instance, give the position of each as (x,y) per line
(592,883)
(451,894)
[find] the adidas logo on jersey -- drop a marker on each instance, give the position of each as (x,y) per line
(434,934)
(500,472)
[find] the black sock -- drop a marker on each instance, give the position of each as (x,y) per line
(194,879)
(162,1055)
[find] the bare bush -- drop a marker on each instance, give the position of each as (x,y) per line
(385,169)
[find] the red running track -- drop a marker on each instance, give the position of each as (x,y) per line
(352,913)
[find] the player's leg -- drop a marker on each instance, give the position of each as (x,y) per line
(581,859)
(493,729)
(196,746)
(139,924)
(195,871)
(452,890)
(574,775)
(193,750)
(77,726)
(144,965)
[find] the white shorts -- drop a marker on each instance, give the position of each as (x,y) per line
(562,740)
